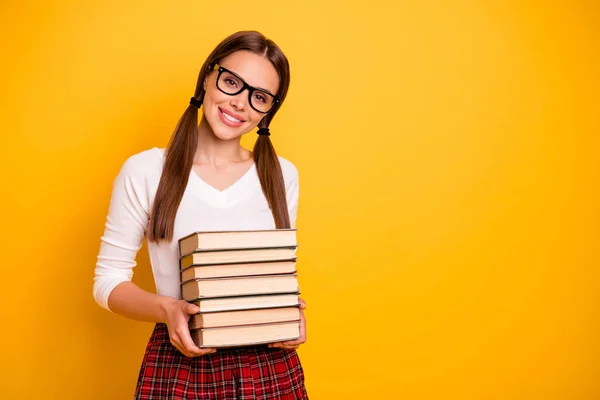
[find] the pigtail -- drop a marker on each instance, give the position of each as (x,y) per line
(271,179)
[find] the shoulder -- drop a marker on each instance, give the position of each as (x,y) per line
(145,159)
(144,164)
(288,169)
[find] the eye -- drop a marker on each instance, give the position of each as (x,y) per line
(231,82)
(260,98)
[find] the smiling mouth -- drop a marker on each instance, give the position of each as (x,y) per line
(230,117)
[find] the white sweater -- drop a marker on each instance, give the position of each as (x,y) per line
(241,206)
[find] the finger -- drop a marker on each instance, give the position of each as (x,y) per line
(201,352)
(192,354)
(303,327)
(177,344)
(285,346)
(192,349)
(288,344)
(207,350)
(294,342)
(301,339)
(302,303)
(191,308)
(187,343)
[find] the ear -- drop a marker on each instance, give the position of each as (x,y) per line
(205,80)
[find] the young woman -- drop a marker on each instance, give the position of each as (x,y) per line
(204,180)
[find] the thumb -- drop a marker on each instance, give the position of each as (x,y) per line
(191,308)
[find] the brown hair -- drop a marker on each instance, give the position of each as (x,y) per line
(179,154)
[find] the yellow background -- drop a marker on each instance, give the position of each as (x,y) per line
(448,158)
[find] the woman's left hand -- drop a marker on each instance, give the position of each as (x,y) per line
(294,344)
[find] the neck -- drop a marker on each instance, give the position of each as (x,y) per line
(214,151)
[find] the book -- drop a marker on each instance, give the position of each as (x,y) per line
(238,269)
(237,256)
(212,240)
(247,302)
(245,285)
(239,286)
(247,335)
(247,317)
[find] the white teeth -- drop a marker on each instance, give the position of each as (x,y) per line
(229,117)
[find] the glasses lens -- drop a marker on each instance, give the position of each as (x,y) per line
(262,101)
(229,83)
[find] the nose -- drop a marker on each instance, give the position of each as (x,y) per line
(240,100)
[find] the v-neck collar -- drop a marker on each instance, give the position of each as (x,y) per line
(231,188)
(226,197)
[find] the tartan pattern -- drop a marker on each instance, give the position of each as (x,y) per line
(247,373)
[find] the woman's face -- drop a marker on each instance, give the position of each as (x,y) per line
(232,116)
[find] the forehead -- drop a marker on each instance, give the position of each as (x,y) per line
(256,70)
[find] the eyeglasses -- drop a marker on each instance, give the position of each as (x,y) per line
(230,83)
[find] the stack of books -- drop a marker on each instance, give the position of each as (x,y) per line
(246,286)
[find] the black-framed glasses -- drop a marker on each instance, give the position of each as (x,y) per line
(230,83)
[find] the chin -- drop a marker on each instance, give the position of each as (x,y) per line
(225,132)
(227,135)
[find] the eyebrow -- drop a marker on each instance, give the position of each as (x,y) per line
(255,87)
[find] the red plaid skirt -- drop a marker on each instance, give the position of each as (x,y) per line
(246,373)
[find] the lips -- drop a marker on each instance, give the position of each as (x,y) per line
(230,119)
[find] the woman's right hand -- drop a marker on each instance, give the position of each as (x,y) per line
(176,315)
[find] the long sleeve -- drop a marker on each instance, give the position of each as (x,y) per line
(125,228)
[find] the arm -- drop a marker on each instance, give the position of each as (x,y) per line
(125,228)
(292,195)
(130,301)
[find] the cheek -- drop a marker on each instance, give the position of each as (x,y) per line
(254,118)
(211,101)
(212,98)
